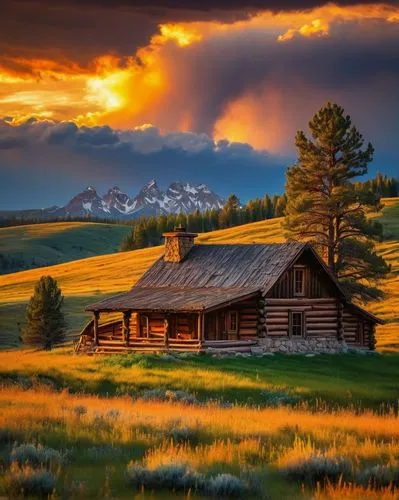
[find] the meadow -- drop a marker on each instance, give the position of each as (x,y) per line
(277,427)
(47,244)
(193,426)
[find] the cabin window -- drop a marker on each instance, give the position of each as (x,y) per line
(299,281)
(144,326)
(296,323)
(232,321)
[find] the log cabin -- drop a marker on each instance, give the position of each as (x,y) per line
(238,297)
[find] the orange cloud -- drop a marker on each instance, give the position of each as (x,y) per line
(155,85)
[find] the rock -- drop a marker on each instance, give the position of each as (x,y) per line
(310,355)
(257,351)
(268,354)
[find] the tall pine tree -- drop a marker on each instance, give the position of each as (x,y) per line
(325,208)
(45,326)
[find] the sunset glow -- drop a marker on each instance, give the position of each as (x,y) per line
(129,91)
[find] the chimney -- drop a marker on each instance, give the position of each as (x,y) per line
(178,244)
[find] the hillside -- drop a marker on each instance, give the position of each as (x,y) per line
(94,278)
(38,245)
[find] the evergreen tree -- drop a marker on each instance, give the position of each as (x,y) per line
(325,208)
(45,326)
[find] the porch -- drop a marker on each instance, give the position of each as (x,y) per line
(160,332)
(162,319)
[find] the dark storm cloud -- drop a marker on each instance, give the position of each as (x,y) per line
(81,30)
(51,160)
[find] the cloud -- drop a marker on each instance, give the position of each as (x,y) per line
(52,160)
(249,79)
(92,73)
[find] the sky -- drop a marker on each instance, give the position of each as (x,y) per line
(105,93)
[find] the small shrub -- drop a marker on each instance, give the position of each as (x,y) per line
(225,485)
(278,398)
(181,396)
(318,469)
(178,477)
(153,395)
(168,395)
(28,481)
(80,410)
(181,434)
(173,476)
(36,456)
(379,476)
(113,414)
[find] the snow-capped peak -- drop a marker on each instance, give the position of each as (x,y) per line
(179,197)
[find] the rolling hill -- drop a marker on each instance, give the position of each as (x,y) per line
(91,279)
(38,245)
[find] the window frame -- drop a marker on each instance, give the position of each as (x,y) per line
(145,326)
(229,315)
(291,313)
(301,269)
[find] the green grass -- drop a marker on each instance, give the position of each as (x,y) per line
(39,245)
(360,380)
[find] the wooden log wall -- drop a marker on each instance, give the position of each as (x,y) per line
(261,326)
(320,316)
(248,318)
(247,310)
(357,331)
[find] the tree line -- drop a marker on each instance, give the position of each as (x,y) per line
(147,231)
(254,210)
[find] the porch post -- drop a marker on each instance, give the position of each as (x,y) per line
(96,316)
(202,327)
(166,330)
(126,327)
(199,326)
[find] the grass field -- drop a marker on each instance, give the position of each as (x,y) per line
(158,427)
(263,421)
(40,245)
(91,279)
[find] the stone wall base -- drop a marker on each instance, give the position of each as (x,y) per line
(313,345)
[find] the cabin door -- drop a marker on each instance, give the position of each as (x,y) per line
(215,327)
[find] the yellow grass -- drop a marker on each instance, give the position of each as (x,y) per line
(228,439)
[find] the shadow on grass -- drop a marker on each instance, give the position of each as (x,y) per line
(359,382)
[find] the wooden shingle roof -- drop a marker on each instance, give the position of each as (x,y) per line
(172,299)
(209,275)
(224,266)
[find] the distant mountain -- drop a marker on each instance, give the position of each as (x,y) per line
(179,197)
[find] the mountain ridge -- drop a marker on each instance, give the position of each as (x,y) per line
(179,197)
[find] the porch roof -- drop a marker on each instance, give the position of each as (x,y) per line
(172,299)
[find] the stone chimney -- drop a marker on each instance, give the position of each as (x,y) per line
(178,244)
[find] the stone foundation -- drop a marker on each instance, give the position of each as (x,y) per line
(313,345)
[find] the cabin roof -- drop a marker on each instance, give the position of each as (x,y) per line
(365,314)
(172,299)
(224,266)
(211,276)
